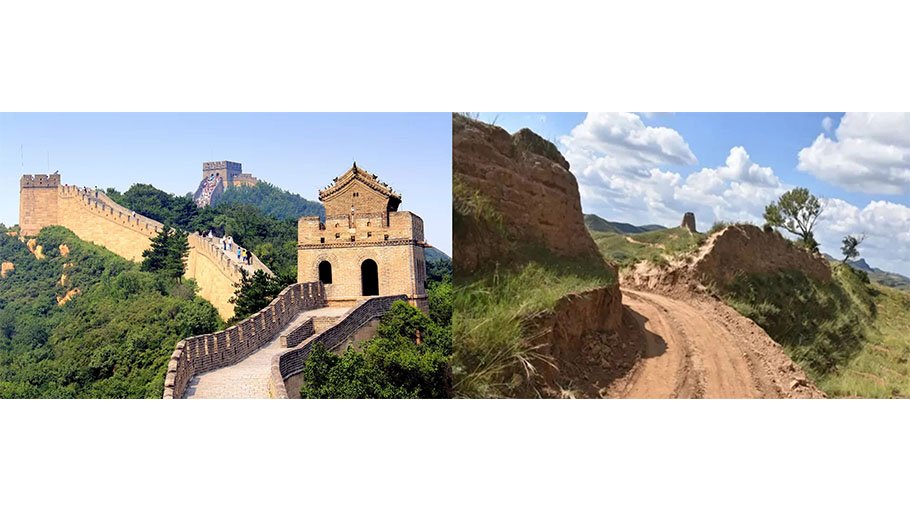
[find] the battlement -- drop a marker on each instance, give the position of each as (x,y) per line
(230,166)
(367,227)
(39,181)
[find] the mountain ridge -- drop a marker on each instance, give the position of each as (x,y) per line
(598,224)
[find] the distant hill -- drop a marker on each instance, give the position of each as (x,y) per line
(879,276)
(434,254)
(271,200)
(597,224)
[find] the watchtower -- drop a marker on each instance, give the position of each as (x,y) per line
(366,246)
(38,202)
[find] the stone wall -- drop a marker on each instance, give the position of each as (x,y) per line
(290,363)
(216,272)
(94,217)
(299,334)
(202,353)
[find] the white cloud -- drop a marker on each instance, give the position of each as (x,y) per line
(827,122)
(869,153)
(886,225)
(622,184)
(622,142)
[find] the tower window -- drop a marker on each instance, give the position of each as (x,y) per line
(325,272)
(322,240)
(352,239)
(369,234)
(337,235)
(387,237)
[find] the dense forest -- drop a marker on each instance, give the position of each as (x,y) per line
(271,200)
(79,321)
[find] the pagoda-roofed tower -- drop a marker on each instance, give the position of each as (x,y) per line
(366,246)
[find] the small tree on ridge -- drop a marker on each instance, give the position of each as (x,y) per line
(796,211)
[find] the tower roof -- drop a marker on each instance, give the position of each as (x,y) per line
(368,179)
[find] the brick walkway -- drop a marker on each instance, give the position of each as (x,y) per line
(250,377)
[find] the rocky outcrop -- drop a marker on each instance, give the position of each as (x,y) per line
(6,268)
(513,191)
(35,249)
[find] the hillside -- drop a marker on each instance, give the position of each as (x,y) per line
(595,223)
(629,249)
(271,200)
(78,321)
(879,276)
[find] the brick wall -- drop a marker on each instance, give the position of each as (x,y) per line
(401,269)
(202,353)
(290,363)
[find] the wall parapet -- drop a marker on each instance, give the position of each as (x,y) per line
(227,263)
(290,363)
(100,204)
(202,353)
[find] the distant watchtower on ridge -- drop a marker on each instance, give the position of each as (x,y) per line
(218,176)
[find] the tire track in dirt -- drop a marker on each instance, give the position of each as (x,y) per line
(687,354)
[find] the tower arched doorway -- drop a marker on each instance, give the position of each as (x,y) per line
(369,278)
(325,272)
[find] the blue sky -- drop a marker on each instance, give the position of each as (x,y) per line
(300,152)
(647,168)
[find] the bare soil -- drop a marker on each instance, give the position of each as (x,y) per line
(693,346)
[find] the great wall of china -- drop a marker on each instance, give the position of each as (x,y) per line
(262,356)
(94,217)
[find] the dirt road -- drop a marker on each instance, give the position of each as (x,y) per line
(696,348)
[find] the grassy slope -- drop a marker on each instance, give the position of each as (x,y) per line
(112,340)
(880,368)
(489,312)
(489,308)
(851,336)
(647,246)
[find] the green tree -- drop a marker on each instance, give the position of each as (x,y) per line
(439,299)
(154,259)
(168,253)
(254,292)
(796,211)
(850,246)
(408,358)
